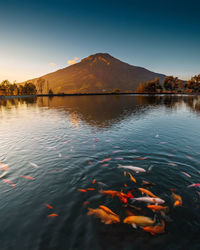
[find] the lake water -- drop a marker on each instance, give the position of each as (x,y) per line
(54,146)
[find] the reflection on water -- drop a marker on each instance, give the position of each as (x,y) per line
(50,147)
(103,111)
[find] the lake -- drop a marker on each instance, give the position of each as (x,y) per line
(50,147)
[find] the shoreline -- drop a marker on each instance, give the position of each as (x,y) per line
(94,94)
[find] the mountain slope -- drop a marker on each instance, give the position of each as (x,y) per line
(95,74)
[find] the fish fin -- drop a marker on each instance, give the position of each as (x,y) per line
(134,225)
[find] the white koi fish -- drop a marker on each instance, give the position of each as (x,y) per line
(133,168)
(149,200)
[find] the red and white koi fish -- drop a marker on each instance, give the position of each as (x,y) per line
(194,185)
(172,164)
(7,181)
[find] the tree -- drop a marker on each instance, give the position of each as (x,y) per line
(50,92)
(140,88)
(116,90)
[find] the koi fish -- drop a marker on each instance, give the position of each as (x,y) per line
(186,174)
(147,192)
(85,203)
(149,200)
(147,184)
(177,200)
(28,177)
(125,185)
(82,190)
(140,158)
(34,165)
(90,162)
(105,165)
(90,189)
(52,215)
(158,229)
(7,181)
(48,206)
(141,221)
(119,158)
(190,157)
(157,207)
(124,173)
(109,192)
(133,168)
(105,160)
(93,181)
(3,166)
(105,217)
(107,210)
(172,164)
(131,177)
(102,184)
(194,185)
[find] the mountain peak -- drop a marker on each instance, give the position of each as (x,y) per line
(102,57)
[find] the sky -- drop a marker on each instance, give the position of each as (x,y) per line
(38,37)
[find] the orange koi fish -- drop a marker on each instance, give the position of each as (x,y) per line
(7,181)
(140,158)
(156,229)
(107,159)
(82,190)
(107,210)
(28,177)
(90,189)
(48,206)
(177,200)
(105,217)
(147,192)
(52,215)
(93,181)
(85,203)
(131,177)
(157,207)
(109,192)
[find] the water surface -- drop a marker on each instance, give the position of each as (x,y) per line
(61,141)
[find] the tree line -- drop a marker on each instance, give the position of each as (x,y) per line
(171,84)
(7,88)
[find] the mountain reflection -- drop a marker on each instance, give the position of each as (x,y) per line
(104,111)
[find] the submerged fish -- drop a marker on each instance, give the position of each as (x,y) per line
(105,216)
(90,189)
(158,229)
(133,168)
(194,185)
(186,174)
(93,181)
(52,215)
(147,192)
(82,190)
(105,160)
(177,200)
(34,165)
(147,184)
(3,166)
(157,208)
(107,210)
(132,178)
(149,200)
(28,177)
(141,221)
(140,158)
(48,206)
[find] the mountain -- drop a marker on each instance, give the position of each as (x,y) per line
(95,74)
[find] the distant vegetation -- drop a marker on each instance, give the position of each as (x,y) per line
(7,88)
(170,85)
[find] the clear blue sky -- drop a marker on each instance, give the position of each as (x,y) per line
(162,36)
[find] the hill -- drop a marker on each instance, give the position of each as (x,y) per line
(95,74)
